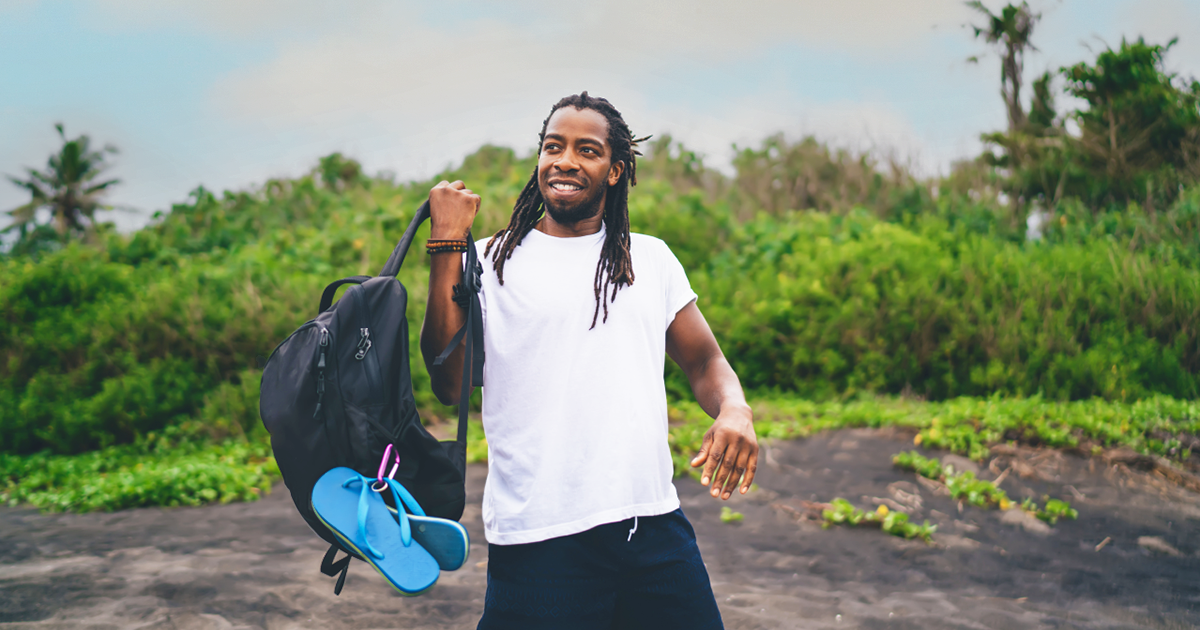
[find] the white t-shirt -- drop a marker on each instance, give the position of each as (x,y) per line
(576,419)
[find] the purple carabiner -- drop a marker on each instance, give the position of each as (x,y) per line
(384,462)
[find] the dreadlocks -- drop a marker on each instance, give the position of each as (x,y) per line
(615,268)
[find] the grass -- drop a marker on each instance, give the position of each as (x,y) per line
(138,475)
(967,426)
(174,468)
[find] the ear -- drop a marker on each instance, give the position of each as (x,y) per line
(614,172)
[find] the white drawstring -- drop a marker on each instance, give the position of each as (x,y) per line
(632,530)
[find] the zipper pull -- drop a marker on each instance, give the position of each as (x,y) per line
(364,344)
(324,337)
(320,389)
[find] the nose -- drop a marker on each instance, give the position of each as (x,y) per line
(566,161)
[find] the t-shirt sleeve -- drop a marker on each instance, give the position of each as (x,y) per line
(678,290)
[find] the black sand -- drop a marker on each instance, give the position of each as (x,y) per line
(255,565)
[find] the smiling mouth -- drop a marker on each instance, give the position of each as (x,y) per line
(566,187)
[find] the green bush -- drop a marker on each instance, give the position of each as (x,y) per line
(103,345)
(828,306)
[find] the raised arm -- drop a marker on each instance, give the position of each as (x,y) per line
(729,453)
(452,209)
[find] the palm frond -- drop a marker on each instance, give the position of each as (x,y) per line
(70,187)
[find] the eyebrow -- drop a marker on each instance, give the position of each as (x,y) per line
(561,138)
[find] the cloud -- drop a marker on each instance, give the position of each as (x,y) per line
(857,126)
(707,26)
(412,88)
(250,19)
(16,6)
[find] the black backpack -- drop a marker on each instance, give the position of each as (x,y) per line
(338,391)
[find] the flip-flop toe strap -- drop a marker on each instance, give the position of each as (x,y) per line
(402,493)
(364,507)
(404,499)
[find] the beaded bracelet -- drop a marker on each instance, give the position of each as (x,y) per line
(436,246)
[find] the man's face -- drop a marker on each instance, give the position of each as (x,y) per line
(575,166)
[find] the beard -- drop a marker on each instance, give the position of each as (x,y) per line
(576,212)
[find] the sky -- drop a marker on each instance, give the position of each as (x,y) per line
(229,93)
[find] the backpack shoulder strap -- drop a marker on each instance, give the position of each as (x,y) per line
(472,330)
(471,336)
(392,266)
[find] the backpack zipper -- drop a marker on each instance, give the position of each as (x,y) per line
(371,364)
(364,343)
(321,371)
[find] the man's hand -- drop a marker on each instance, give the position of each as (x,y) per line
(452,208)
(729,453)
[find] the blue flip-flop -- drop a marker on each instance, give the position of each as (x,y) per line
(446,540)
(348,505)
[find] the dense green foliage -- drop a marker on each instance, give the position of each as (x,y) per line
(1140,132)
(173,321)
(843,289)
(103,345)
(1136,135)
(824,305)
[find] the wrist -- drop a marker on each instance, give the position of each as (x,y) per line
(737,409)
(449,233)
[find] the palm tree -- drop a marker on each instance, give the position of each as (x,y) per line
(1011,30)
(68,188)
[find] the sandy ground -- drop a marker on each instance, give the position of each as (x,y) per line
(255,565)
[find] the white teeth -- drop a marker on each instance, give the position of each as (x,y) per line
(566,187)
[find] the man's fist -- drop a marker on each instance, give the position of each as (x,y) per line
(452,209)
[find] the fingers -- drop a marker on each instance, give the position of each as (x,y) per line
(751,468)
(729,454)
(713,469)
(702,456)
(736,470)
(724,472)
(712,457)
(474,197)
(459,186)
(452,209)
(732,460)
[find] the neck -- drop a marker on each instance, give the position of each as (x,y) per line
(547,225)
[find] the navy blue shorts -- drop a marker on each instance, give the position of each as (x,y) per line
(603,579)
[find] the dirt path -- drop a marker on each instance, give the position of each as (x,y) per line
(255,565)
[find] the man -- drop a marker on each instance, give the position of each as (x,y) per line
(582,520)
